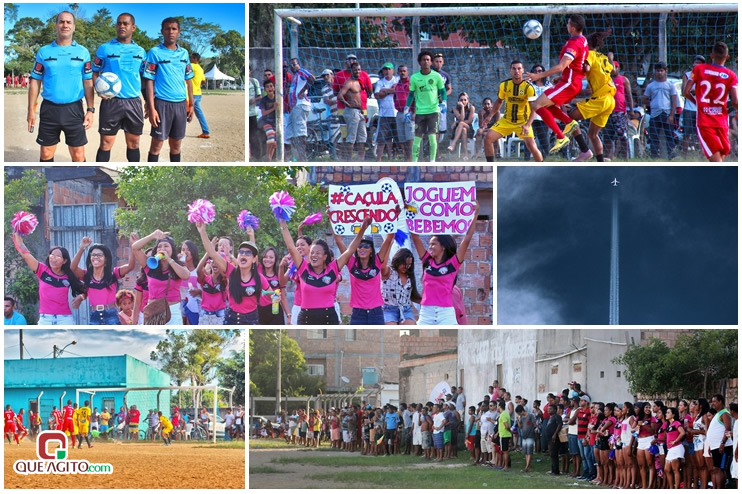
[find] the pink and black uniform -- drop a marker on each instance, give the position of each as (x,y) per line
(318,294)
(102,299)
(246,310)
(438,281)
(675,448)
(159,285)
(53,292)
(142,286)
(213,298)
(365,292)
(265,307)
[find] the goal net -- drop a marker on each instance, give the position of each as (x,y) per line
(478,43)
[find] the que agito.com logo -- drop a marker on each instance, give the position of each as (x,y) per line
(56,462)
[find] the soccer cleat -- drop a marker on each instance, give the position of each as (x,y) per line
(584,156)
(559,144)
(204,136)
(570,128)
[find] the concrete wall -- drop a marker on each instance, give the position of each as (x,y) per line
(426,345)
(418,377)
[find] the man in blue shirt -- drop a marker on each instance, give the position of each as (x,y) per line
(391,420)
(63,70)
(124,58)
(12,318)
(166,68)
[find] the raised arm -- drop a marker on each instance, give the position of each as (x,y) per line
(283,277)
(295,256)
(385,248)
(132,262)
(418,243)
(461,251)
(31,261)
(200,273)
(209,247)
(137,246)
(75,263)
(343,259)
(137,307)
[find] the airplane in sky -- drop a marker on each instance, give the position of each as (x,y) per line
(615,182)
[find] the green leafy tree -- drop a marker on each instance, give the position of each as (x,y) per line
(170,353)
(263,366)
(196,33)
(231,372)
(11,13)
(23,194)
(231,49)
(159,198)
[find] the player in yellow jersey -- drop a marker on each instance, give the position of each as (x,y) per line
(516,93)
(166,427)
(600,105)
(82,424)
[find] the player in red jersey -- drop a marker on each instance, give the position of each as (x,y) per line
(714,85)
(21,427)
(57,419)
(10,425)
(68,422)
(571,59)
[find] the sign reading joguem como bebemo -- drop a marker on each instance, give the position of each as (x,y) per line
(445,208)
(351,204)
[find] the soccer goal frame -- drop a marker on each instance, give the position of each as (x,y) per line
(215,388)
(547,11)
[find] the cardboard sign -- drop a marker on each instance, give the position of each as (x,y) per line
(351,204)
(445,208)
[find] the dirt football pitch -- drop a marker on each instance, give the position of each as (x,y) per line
(144,465)
(225,114)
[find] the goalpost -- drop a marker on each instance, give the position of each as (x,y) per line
(483,40)
(215,388)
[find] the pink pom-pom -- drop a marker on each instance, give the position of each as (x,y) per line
(201,210)
(24,223)
(313,218)
(282,205)
(247,219)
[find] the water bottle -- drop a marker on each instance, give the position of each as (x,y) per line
(276,299)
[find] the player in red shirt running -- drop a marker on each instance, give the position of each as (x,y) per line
(68,424)
(571,59)
(10,425)
(714,85)
(21,427)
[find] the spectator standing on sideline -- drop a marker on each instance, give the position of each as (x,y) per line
(618,123)
(385,91)
(299,108)
(367,90)
(12,318)
(438,62)
(662,99)
(689,108)
(198,80)
(405,128)
(329,98)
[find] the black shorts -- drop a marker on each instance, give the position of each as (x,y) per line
(318,317)
(387,130)
(718,456)
(67,118)
(426,124)
(389,434)
(172,120)
(504,443)
(267,317)
(121,113)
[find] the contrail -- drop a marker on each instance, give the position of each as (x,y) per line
(613,309)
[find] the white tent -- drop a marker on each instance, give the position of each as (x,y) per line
(217,75)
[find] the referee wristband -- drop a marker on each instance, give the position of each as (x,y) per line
(91,110)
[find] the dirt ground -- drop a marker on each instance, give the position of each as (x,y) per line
(298,473)
(137,466)
(225,114)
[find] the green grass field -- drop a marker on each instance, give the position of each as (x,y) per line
(355,470)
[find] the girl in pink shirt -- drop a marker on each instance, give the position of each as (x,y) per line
(276,279)
(319,276)
(190,289)
(675,433)
(441,263)
(163,281)
(365,268)
(213,291)
(101,277)
(244,283)
(141,293)
(56,279)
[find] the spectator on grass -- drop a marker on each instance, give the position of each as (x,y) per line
(487,118)
(690,141)
(662,99)
(405,129)
(462,127)
(228,424)
(384,93)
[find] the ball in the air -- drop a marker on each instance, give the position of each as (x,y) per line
(108,85)
(532,29)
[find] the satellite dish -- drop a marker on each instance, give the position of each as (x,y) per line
(345,379)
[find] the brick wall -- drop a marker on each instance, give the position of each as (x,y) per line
(426,345)
(669,336)
(483,175)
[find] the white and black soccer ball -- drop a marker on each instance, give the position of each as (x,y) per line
(390,227)
(532,29)
(108,85)
(386,188)
(339,229)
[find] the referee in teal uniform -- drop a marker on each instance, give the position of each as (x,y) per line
(167,66)
(125,58)
(63,70)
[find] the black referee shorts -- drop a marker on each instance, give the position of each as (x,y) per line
(121,113)
(172,120)
(67,118)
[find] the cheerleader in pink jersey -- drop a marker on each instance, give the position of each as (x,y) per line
(441,262)
(213,291)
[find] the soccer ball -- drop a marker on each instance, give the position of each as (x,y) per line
(532,29)
(108,85)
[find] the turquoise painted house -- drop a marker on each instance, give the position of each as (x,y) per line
(39,384)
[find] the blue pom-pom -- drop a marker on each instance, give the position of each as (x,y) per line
(401,237)
(292,270)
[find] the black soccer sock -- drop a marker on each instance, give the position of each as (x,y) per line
(132,155)
(175,157)
(46,160)
(102,156)
(489,158)
(599,157)
(582,143)
(153,157)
